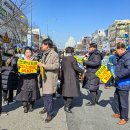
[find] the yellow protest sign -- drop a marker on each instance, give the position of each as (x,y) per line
(27,67)
(104,74)
(42,72)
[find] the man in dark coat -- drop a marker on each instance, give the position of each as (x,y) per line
(1,113)
(70,79)
(92,65)
(121,95)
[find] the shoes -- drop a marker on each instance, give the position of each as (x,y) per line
(25,110)
(122,122)
(116,116)
(90,104)
(48,119)
(67,110)
(3,114)
(43,111)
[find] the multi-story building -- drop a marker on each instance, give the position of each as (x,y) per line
(119,31)
(100,37)
(85,42)
(13,23)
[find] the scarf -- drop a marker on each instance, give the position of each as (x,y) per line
(45,54)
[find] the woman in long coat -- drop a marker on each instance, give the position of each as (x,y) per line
(9,75)
(28,91)
(70,79)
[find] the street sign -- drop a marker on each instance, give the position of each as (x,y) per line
(104,74)
(6,39)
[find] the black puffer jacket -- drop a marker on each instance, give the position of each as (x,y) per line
(9,72)
(92,65)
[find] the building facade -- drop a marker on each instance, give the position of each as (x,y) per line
(13,23)
(119,31)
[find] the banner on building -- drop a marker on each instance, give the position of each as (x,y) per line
(27,67)
(104,74)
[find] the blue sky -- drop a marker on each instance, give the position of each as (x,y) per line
(77,17)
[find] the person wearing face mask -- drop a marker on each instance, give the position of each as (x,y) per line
(92,65)
(28,91)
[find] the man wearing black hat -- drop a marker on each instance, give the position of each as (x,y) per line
(92,65)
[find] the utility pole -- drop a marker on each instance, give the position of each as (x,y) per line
(31,24)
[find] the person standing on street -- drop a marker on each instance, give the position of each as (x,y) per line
(121,94)
(92,65)
(50,63)
(28,91)
(1,113)
(9,76)
(70,78)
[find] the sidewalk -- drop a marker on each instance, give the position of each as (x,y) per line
(18,120)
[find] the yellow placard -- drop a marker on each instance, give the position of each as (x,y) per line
(27,67)
(104,74)
(42,72)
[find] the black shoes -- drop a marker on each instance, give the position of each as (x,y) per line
(67,110)
(48,119)
(43,111)
(90,104)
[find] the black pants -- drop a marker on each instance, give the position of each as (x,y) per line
(121,103)
(94,96)
(68,102)
(8,95)
(0,95)
(48,104)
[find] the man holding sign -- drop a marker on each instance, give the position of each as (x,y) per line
(51,66)
(92,65)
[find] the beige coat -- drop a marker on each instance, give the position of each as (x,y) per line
(51,73)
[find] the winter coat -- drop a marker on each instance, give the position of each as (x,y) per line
(9,72)
(28,87)
(70,77)
(92,65)
(123,66)
(51,67)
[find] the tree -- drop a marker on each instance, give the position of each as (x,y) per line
(14,20)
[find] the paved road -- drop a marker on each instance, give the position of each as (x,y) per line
(83,117)
(95,117)
(17,120)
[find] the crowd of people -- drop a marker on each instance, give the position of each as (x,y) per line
(67,70)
